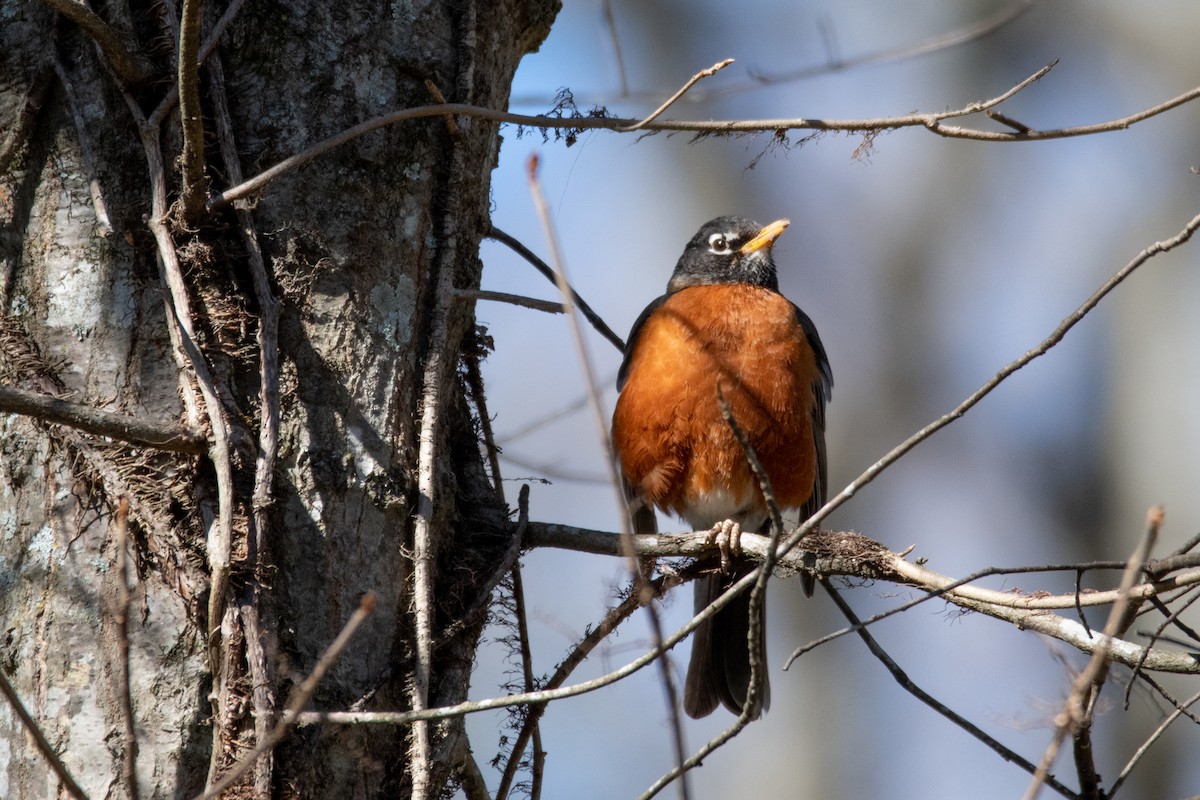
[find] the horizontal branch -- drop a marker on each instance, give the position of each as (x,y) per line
(850,554)
(162,436)
(933,121)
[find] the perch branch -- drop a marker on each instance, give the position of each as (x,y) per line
(853,555)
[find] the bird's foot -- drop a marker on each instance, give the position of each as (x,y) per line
(727,536)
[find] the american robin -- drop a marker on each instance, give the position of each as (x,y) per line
(722,323)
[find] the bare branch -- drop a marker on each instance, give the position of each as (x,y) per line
(268,426)
(853,555)
(165,436)
(945,41)
(128,66)
(87,155)
(590,315)
(1076,716)
(1179,711)
(641,581)
(210,44)
(699,76)
(916,691)
(39,739)
(933,121)
(122,620)
(611,21)
(548,306)
(300,698)
(193,183)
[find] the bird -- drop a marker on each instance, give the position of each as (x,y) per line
(723,325)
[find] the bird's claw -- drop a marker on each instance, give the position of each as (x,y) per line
(727,536)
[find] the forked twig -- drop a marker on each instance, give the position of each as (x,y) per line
(699,76)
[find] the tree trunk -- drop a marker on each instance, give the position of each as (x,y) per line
(360,248)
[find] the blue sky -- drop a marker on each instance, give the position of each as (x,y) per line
(927,264)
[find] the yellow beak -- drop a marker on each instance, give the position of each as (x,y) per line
(766,237)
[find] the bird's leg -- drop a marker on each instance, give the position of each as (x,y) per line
(727,536)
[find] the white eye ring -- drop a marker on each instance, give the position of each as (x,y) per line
(718,243)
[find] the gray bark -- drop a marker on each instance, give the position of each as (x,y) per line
(354,242)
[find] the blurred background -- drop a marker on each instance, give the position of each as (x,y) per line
(927,264)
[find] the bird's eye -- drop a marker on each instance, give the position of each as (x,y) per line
(718,244)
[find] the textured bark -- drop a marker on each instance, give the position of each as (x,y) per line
(354,243)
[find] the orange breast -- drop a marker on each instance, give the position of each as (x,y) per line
(673,444)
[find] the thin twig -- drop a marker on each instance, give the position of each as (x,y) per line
(611,23)
(758,594)
(916,691)
(548,306)
(1180,710)
(751,709)
(300,698)
(641,582)
(440,357)
(39,739)
(968,33)
(590,315)
(193,186)
(438,97)
(612,620)
(160,436)
(252,612)
(122,619)
(87,155)
(219,545)
(1169,618)
(537,700)
(1076,715)
(699,76)
(127,64)
(210,44)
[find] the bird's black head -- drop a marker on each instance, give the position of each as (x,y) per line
(729,250)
